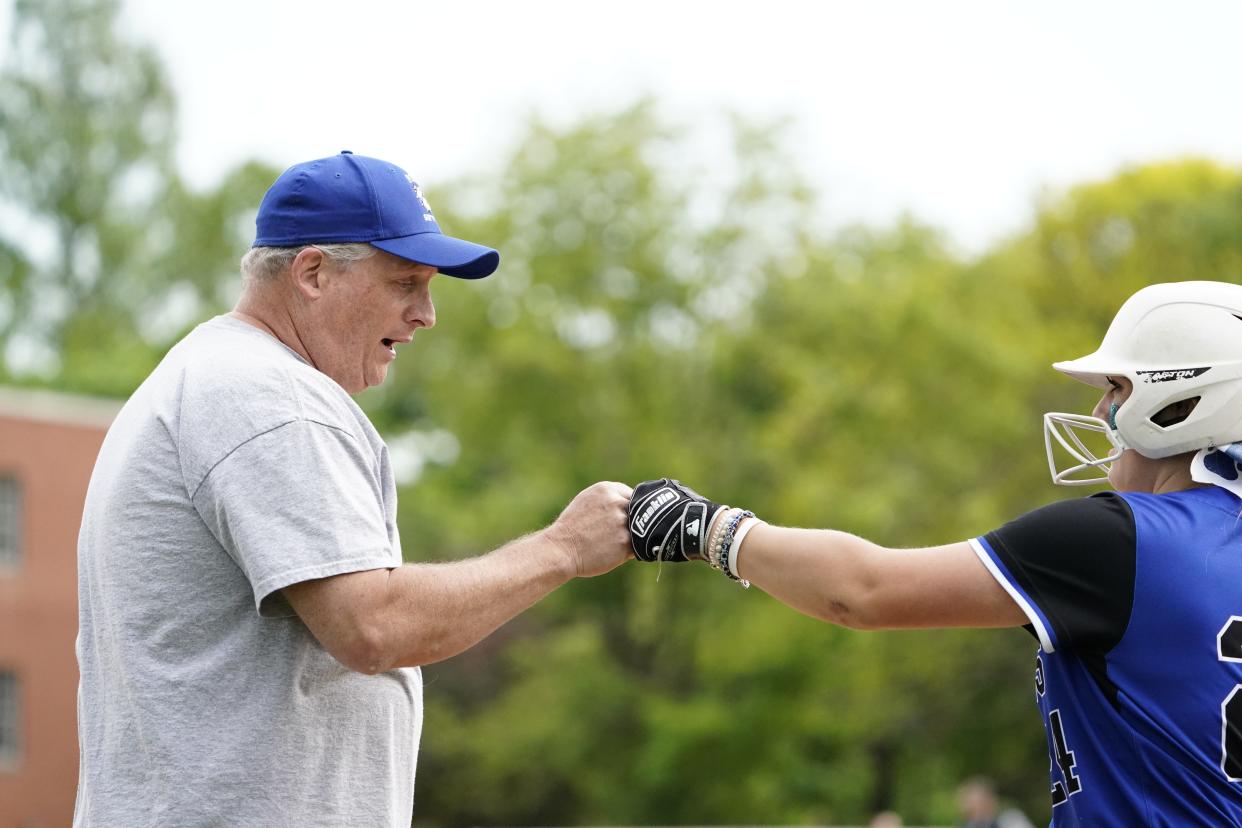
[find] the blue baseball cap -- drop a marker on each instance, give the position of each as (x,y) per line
(351,198)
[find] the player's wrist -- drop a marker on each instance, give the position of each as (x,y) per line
(729,528)
(735,548)
(715,534)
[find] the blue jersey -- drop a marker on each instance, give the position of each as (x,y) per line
(1136,600)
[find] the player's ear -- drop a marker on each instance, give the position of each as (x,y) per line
(307,272)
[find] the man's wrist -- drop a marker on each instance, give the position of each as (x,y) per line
(557,553)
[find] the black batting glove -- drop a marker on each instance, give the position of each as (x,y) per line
(669,521)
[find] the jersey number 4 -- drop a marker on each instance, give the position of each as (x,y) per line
(1062,756)
(1064,759)
(1229,648)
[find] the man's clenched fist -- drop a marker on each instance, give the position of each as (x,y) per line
(669,521)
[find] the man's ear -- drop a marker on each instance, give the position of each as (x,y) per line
(307,272)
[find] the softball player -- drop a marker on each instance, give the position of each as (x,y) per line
(1134,595)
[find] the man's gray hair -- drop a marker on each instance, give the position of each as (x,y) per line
(262,264)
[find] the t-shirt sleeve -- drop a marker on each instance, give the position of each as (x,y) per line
(298,502)
(1070,566)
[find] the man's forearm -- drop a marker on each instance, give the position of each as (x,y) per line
(378,619)
(430,612)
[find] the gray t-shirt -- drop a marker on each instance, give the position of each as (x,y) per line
(235,470)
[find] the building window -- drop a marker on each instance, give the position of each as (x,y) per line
(10,522)
(10,719)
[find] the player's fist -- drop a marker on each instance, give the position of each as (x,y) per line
(669,521)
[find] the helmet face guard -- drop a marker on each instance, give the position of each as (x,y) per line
(1068,431)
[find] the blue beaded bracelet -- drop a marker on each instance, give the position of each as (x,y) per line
(727,543)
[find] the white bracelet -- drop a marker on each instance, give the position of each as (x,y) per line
(735,547)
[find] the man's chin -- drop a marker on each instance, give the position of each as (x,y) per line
(358,383)
(377,377)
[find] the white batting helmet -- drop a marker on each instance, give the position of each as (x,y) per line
(1175,342)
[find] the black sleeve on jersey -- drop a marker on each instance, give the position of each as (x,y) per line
(1076,560)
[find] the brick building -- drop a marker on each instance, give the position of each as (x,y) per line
(48,444)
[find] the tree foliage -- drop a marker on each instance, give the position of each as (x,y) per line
(655,314)
(110,256)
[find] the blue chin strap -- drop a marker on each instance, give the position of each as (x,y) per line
(1112,416)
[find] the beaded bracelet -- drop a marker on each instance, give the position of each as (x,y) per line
(736,546)
(715,535)
(722,554)
(712,553)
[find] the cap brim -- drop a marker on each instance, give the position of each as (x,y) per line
(452,257)
(1090,369)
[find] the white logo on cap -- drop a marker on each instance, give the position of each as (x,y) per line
(418,193)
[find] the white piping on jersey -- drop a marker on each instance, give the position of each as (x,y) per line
(1045,640)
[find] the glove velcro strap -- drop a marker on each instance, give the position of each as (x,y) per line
(693,526)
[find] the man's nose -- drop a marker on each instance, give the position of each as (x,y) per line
(423,313)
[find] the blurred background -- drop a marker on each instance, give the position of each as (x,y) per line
(814,259)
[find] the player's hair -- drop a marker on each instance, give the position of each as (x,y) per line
(262,264)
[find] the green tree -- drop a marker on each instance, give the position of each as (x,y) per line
(114,257)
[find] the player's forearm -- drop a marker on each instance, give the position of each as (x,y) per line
(431,612)
(833,576)
(823,573)
(844,579)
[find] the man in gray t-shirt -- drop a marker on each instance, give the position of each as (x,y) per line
(250,639)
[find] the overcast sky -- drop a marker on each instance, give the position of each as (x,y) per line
(957,111)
